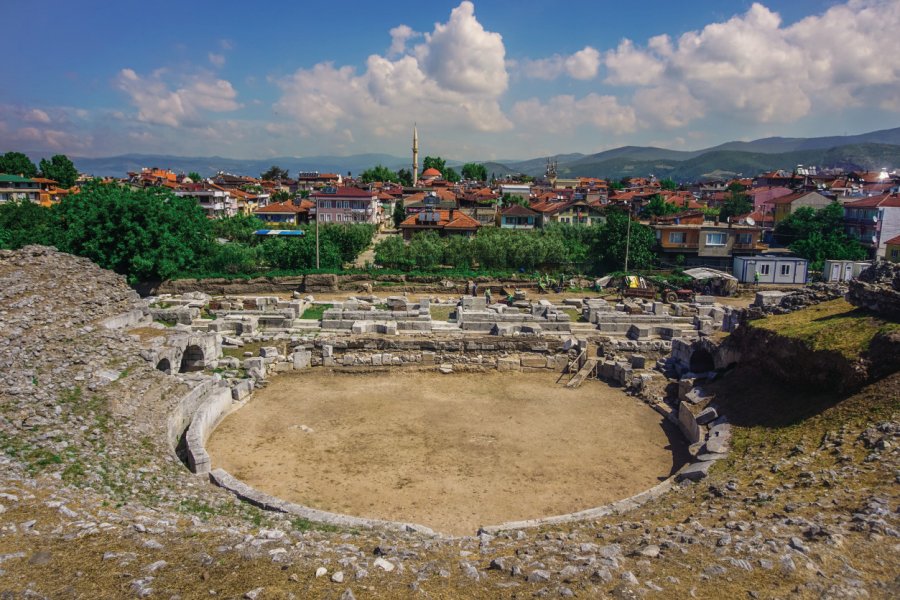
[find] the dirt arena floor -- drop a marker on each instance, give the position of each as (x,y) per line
(451,452)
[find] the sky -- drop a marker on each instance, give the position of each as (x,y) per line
(483,80)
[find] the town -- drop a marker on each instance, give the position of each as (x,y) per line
(789,227)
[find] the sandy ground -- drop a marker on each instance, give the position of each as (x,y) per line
(451,452)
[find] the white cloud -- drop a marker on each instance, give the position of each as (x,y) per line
(667,106)
(753,67)
(455,78)
(583,65)
(566,113)
(217,60)
(36,115)
(399,36)
(461,56)
(627,65)
(158,104)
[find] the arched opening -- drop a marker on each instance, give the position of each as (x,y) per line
(165,366)
(192,359)
(702,361)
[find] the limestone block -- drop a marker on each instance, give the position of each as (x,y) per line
(508,364)
(302,359)
(242,389)
(269,352)
(428,358)
(255,363)
(688,423)
(695,472)
(706,415)
(533,360)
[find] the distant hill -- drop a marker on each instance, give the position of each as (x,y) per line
(871,150)
(117,166)
(725,163)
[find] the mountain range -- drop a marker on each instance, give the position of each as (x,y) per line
(867,151)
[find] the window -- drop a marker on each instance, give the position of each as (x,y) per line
(895,253)
(785,269)
(745,239)
(677,237)
(716,239)
(763,269)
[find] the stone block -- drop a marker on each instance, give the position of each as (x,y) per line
(508,364)
(428,358)
(639,332)
(696,471)
(376,360)
(768,298)
(706,415)
(269,352)
(301,358)
(705,300)
(242,389)
(638,361)
(255,363)
(533,360)
(688,423)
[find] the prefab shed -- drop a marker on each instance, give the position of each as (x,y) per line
(771,269)
(843,270)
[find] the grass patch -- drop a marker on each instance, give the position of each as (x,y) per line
(835,325)
(301,524)
(574,314)
(441,313)
(315,311)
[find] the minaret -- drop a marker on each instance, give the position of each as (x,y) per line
(415,165)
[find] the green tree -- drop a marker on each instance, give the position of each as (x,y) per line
(16,163)
(611,244)
(23,222)
(668,184)
(239,228)
(349,240)
(426,249)
(391,253)
(736,203)
(281,196)
(451,175)
(144,234)
(616,186)
(657,207)
(458,252)
(434,162)
(229,259)
(379,173)
(818,235)
(474,172)
(399,213)
(405,177)
(194,176)
(274,173)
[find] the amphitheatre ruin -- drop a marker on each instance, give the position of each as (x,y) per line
(315,438)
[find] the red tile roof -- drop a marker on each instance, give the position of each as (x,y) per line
(894,241)
(459,220)
(884,200)
(517,210)
(432,172)
(287,207)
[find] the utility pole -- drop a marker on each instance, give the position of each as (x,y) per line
(317,231)
(627,238)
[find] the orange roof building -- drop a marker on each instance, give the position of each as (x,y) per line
(445,222)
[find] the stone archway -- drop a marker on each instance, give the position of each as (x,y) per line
(165,366)
(701,361)
(192,359)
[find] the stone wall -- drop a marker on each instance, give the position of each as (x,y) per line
(878,289)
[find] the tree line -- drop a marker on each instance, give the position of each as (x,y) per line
(150,234)
(59,168)
(585,249)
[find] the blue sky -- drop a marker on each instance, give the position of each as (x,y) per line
(501,79)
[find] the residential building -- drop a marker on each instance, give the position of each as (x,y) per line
(520,190)
(784,206)
(873,221)
(762,196)
(704,243)
(771,269)
(574,212)
(517,216)
(892,249)
(293,212)
(215,201)
(444,222)
(15,187)
(346,205)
